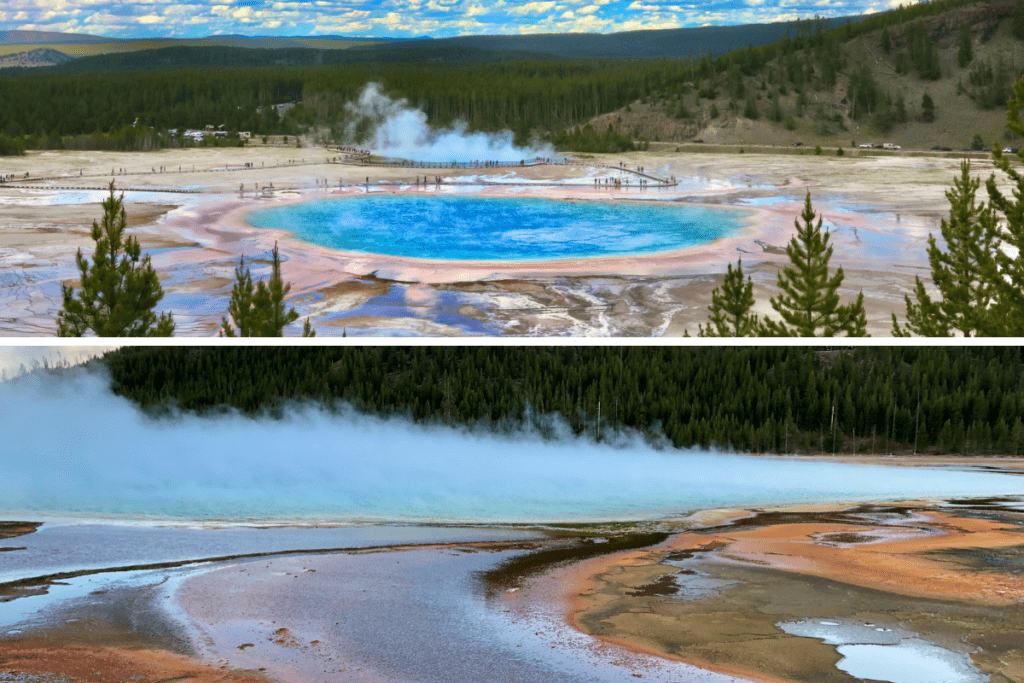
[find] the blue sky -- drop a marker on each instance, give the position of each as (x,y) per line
(403,18)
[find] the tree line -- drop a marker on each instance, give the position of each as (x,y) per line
(757,399)
(522,96)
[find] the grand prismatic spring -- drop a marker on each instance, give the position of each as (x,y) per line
(468,228)
(578,248)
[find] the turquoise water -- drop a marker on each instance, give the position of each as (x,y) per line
(71,447)
(497,229)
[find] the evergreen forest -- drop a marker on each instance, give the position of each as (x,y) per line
(751,399)
(130,102)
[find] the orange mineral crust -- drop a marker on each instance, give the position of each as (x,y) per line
(896,559)
(946,575)
(113,665)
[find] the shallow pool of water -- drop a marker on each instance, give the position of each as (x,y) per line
(495,229)
(880,653)
(414,616)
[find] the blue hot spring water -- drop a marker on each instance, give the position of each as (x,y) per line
(72,447)
(461,228)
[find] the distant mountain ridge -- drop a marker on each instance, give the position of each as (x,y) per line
(672,42)
(678,42)
(49,37)
(227,40)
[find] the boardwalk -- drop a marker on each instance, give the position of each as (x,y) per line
(365,160)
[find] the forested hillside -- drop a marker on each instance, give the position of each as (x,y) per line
(521,95)
(219,57)
(760,399)
(929,75)
(818,83)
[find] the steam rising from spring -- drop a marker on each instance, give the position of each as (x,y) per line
(68,445)
(400,130)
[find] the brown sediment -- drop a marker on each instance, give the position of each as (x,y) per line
(847,537)
(113,664)
(952,577)
(12,529)
(510,574)
(586,580)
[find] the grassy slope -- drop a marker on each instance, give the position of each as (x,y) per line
(957,118)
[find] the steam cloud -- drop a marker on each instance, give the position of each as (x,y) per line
(399,130)
(70,446)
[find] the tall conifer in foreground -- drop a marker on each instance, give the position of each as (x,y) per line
(964,274)
(1008,314)
(260,311)
(981,276)
(730,308)
(118,290)
(809,301)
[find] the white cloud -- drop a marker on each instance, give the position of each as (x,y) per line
(195,18)
(468,25)
(585,24)
(532,8)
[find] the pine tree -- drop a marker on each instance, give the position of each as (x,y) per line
(119,290)
(240,307)
(730,309)
(1008,313)
(260,311)
(964,52)
(964,274)
(900,113)
(809,302)
(927,108)
(750,110)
